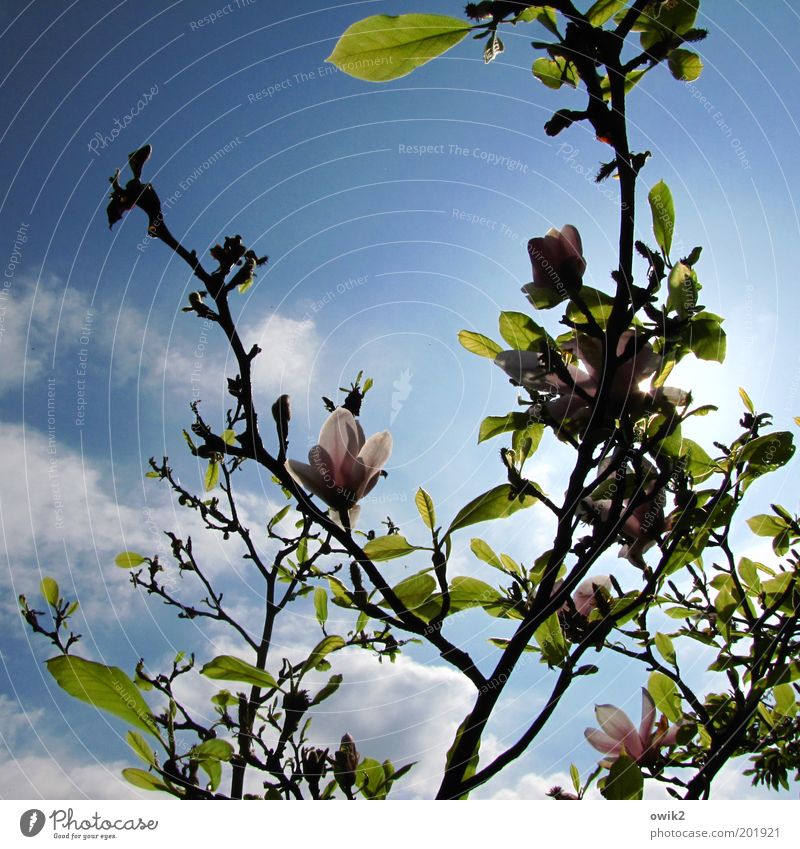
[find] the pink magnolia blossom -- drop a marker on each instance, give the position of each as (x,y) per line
(584,596)
(344,466)
(638,362)
(557,261)
(574,388)
(570,394)
(641,529)
(619,734)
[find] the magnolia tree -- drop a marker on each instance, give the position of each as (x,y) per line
(637,485)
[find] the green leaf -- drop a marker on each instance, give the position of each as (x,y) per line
(49,589)
(229,437)
(321,605)
(632,79)
(683,289)
(425,506)
(550,639)
(140,746)
(190,442)
(415,590)
(541,297)
(665,648)
(663,210)
(544,14)
(216,749)
(483,551)
(576,777)
(328,690)
(211,478)
(466,591)
(725,605)
(764,525)
(143,780)
(695,459)
(624,780)
(384,47)
(521,331)
(495,425)
(213,769)
(477,343)
(673,18)
(685,65)
(128,560)
(598,13)
(748,572)
(785,700)
(706,338)
(555,72)
(665,694)
(323,648)
(471,764)
(526,442)
(225,667)
(767,453)
(369,778)
(104,687)
(746,401)
(278,516)
(244,286)
(596,301)
(388,547)
(494,504)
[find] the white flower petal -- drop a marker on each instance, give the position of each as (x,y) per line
(602,742)
(615,722)
(339,437)
(648,717)
(309,478)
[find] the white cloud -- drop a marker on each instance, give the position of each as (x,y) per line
(36,314)
(56,777)
(288,355)
(31,769)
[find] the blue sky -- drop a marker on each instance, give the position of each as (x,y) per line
(378,257)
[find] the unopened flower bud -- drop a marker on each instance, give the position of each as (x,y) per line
(346,763)
(282,413)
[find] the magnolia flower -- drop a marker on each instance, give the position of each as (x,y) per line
(344,466)
(584,597)
(557,261)
(638,362)
(619,734)
(642,527)
(571,393)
